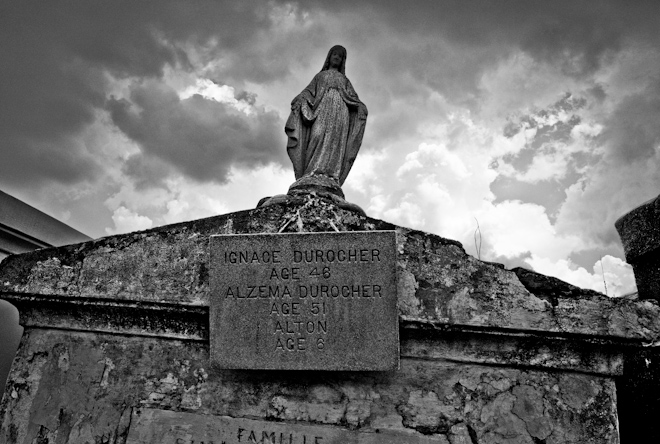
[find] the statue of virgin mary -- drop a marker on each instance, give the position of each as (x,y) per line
(325,128)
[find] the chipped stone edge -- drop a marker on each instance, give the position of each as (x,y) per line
(419,339)
(152,319)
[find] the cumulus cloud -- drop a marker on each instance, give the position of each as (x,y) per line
(610,275)
(61,60)
(126,221)
(196,136)
(179,199)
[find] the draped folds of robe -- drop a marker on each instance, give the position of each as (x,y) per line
(325,127)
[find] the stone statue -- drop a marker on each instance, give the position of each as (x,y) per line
(324,132)
(325,127)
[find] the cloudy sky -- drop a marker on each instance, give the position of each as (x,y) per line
(534,121)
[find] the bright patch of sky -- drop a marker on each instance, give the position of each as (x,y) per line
(220,93)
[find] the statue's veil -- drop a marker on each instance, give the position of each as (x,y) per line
(342,68)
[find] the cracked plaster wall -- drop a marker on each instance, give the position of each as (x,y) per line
(72,387)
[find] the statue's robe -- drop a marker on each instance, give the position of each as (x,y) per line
(325,127)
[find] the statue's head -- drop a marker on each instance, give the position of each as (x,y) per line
(338,49)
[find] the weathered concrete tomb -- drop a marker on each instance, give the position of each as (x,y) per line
(116,347)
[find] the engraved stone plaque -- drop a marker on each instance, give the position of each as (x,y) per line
(304,301)
(151,426)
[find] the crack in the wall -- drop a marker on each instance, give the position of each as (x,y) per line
(473,434)
(108,366)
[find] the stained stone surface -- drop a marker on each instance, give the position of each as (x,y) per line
(308,301)
(81,387)
(152,426)
(640,234)
(120,325)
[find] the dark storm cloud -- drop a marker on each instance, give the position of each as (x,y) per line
(55,56)
(199,137)
(146,171)
(577,34)
(632,131)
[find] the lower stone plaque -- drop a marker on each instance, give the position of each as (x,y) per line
(151,426)
(308,301)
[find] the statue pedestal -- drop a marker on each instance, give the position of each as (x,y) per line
(321,185)
(117,339)
(304,192)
